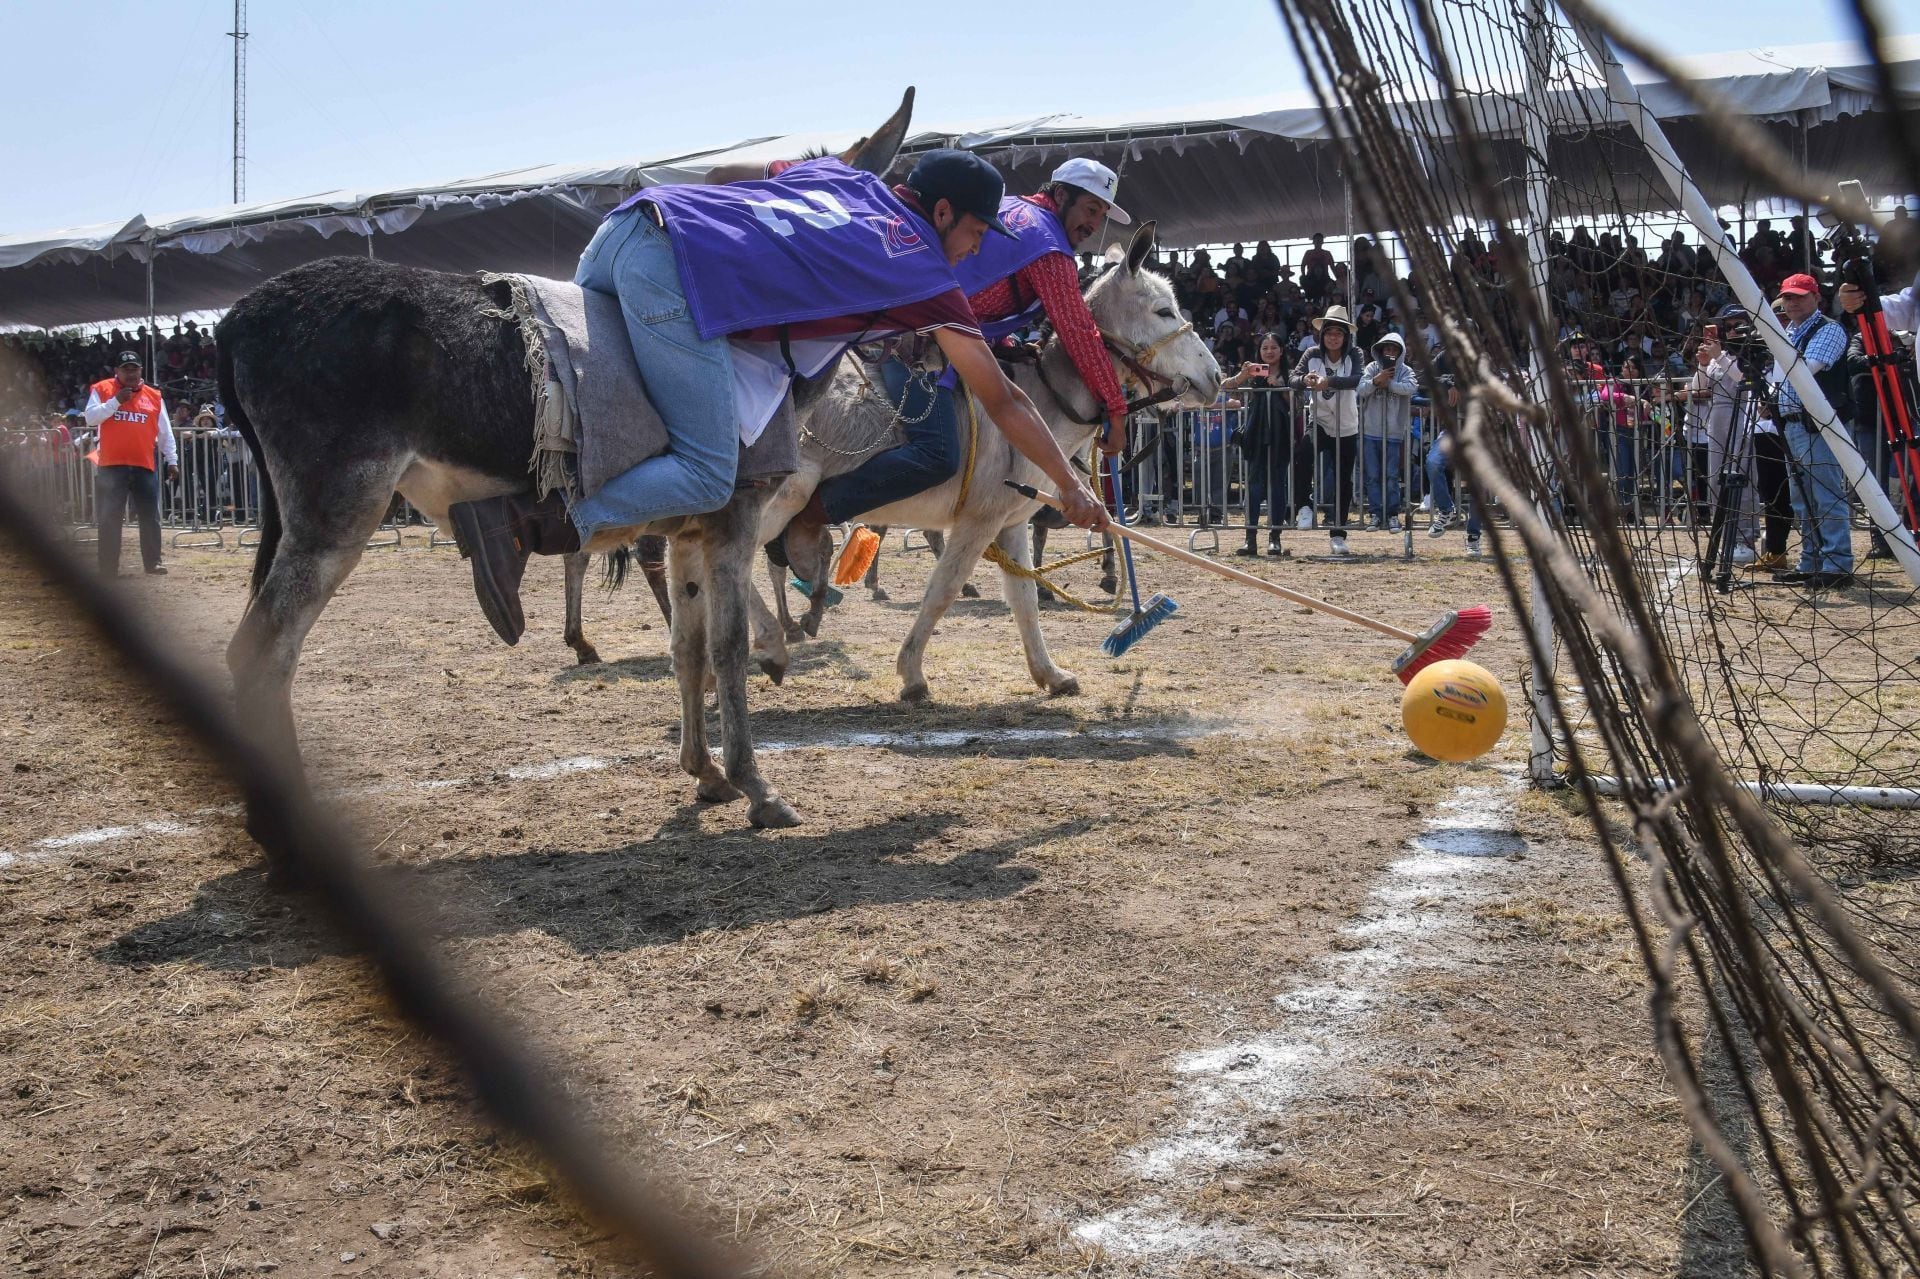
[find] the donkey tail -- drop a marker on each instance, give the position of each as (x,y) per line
(614,572)
(269,505)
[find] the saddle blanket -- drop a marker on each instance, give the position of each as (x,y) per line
(593,419)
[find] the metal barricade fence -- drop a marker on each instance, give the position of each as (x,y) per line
(1199,472)
(1652,448)
(213,501)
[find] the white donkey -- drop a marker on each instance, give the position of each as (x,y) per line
(1148,341)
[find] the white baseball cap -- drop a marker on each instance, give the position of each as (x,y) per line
(1096,178)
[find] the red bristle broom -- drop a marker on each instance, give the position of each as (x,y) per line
(857,556)
(1449,637)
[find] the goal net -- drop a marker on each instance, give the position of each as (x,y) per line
(1755,742)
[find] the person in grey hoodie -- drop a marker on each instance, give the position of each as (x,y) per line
(1329,372)
(1385,396)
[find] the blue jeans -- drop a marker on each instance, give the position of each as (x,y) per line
(688,378)
(930,456)
(1620,446)
(1382,459)
(1441,485)
(1819,502)
(113,488)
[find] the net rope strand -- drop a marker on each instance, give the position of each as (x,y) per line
(525,1094)
(1784,935)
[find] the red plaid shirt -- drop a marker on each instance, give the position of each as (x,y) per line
(1055,281)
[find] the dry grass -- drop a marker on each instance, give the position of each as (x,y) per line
(919,1034)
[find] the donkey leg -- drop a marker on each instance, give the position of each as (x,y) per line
(769,641)
(686,574)
(938,541)
(576,566)
(325,533)
(961,553)
(789,628)
(1109,581)
(730,556)
(1024,602)
(652,550)
(875,591)
(1039,555)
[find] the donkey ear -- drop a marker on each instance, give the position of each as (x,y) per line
(1140,247)
(875,154)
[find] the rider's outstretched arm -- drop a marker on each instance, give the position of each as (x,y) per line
(1020,422)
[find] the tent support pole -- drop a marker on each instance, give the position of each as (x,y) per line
(152,321)
(1622,92)
(1543,667)
(1806,211)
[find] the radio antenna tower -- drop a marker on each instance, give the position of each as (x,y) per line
(239,35)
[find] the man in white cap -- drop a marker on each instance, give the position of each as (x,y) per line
(1010,283)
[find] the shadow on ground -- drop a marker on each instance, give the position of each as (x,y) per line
(680,882)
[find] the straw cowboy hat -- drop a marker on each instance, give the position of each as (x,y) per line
(1335,315)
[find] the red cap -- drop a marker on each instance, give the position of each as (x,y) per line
(1800,284)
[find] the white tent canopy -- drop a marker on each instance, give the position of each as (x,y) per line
(1259,168)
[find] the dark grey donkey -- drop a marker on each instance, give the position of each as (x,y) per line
(352,379)
(650,552)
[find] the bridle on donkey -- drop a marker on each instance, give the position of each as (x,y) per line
(1139,376)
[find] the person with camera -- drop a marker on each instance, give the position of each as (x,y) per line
(1819,488)
(1385,395)
(1268,442)
(1901,312)
(1713,401)
(1445,412)
(1330,374)
(130,420)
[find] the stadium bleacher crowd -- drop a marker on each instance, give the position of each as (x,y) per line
(1638,307)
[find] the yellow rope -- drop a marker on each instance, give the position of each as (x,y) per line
(1006,562)
(973,453)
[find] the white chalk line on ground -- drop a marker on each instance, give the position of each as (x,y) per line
(57,847)
(1418,916)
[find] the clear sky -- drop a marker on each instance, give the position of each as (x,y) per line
(366,93)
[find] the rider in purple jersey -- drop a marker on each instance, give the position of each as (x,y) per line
(817,258)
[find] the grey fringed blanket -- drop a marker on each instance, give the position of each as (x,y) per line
(593,419)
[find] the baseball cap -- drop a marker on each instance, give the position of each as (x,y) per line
(965,181)
(1799,284)
(1097,179)
(127,357)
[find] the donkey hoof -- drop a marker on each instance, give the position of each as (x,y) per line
(794,632)
(880,595)
(283,876)
(1063,685)
(811,625)
(717,790)
(1109,584)
(587,655)
(773,813)
(971,591)
(775,671)
(915,693)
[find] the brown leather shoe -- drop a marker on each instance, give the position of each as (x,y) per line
(807,546)
(497,534)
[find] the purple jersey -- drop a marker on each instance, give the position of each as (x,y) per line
(819,241)
(1037,232)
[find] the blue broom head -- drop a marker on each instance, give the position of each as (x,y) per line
(806,588)
(1134,628)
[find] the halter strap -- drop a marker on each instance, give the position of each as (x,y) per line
(1134,358)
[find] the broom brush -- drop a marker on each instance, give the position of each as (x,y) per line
(1452,636)
(1130,630)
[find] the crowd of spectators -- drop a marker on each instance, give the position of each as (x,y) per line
(1635,310)
(1630,301)
(46,375)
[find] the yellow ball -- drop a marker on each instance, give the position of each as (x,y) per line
(1454,711)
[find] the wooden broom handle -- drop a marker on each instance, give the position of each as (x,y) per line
(1233,574)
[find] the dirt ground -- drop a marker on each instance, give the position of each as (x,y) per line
(1173,978)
